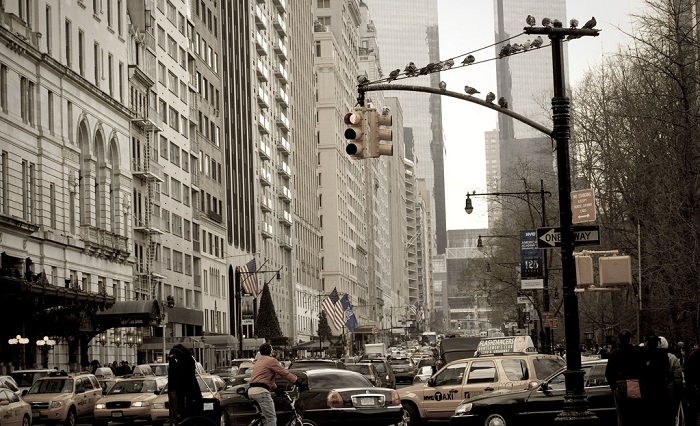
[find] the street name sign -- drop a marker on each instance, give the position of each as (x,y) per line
(584,235)
(583,206)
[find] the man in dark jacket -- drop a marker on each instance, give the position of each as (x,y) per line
(624,371)
(184,396)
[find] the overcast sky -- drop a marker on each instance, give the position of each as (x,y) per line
(466,25)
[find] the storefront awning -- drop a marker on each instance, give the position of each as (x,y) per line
(131,313)
(366,329)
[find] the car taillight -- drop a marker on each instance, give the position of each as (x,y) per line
(395,398)
(334,399)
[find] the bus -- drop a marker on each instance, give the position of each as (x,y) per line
(429,338)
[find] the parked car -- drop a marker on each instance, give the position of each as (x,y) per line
(14,411)
(225,371)
(437,398)
(539,406)
(107,383)
(210,385)
(26,378)
(404,369)
(386,374)
(423,374)
(308,364)
(129,399)
(367,369)
(61,397)
(335,396)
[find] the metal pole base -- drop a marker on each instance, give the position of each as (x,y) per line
(576,410)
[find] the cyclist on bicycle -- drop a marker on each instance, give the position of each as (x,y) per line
(262,382)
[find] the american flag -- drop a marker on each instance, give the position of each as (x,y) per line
(249,280)
(415,308)
(334,310)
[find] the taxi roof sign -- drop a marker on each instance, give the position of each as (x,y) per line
(505,345)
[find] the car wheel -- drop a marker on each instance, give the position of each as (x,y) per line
(223,418)
(25,421)
(308,423)
(495,420)
(70,419)
(410,412)
(405,418)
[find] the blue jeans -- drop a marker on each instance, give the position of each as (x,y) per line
(267,406)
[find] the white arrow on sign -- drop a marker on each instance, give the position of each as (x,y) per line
(583,235)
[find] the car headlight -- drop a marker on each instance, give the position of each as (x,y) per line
(159,405)
(56,404)
(141,404)
(100,406)
(463,408)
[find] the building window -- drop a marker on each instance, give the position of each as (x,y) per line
(69,118)
(120,79)
(174,154)
(166,258)
(49,30)
(110,74)
(188,264)
(52,205)
(163,147)
(3,87)
(69,61)
(81,52)
(161,37)
(49,101)
(177,261)
(3,183)
(177,225)
(175,189)
(96,55)
(27,100)
(165,186)
(24,10)
(174,119)
(187,230)
(109,12)
(119,17)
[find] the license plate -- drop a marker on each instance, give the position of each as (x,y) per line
(36,414)
(208,406)
(117,414)
(366,401)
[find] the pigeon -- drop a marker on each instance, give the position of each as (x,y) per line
(502,102)
(530,20)
(516,48)
(537,43)
(443,85)
(590,24)
(393,75)
(362,79)
(468,60)
(546,22)
(448,64)
(505,51)
(490,97)
(425,70)
(526,44)
(411,69)
(573,23)
(556,23)
(470,90)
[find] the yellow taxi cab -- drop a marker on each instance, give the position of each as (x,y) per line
(14,411)
(498,367)
(62,397)
(210,385)
(128,400)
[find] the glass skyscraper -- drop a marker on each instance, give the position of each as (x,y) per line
(410,34)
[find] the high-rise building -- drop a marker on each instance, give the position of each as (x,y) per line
(525,81)
(410,34)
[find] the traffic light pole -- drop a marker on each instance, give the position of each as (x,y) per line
(575,402)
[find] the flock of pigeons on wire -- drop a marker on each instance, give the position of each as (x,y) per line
(508,49)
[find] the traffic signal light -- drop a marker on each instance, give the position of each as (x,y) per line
(377,133)
(356,134)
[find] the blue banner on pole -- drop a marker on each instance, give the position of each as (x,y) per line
(350,319)
(531,261)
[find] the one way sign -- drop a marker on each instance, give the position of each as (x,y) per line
(588,235)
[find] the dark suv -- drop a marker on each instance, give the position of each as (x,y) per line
(404,369)
(313,364)
(386,377)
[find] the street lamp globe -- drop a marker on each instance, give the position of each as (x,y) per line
(468,207)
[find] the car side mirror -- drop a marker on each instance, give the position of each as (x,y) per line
(156,392)
(241,391)
(24,392)
(544,386)
(431,382)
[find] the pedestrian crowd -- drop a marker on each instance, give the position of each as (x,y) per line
(654,383)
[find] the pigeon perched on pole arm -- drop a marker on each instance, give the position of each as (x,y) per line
(590,24)
(573,23)
(470,90)
(442,85)
(537,42)
(531,21)
(546,22)
(502,102)
(362,79)
(490,97)
(411,69)
(505,50)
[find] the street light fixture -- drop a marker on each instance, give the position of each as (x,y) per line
(480,243)
(18,340)
(118,340)
(102,338)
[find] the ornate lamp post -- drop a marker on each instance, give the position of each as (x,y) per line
(45,345)
(19,340)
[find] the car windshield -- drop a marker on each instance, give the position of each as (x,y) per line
(364,369)
(379,365)
(133,386)
(159,369)
(545,367)
(26,378)
(399,361)
(333,380)
(52,386)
